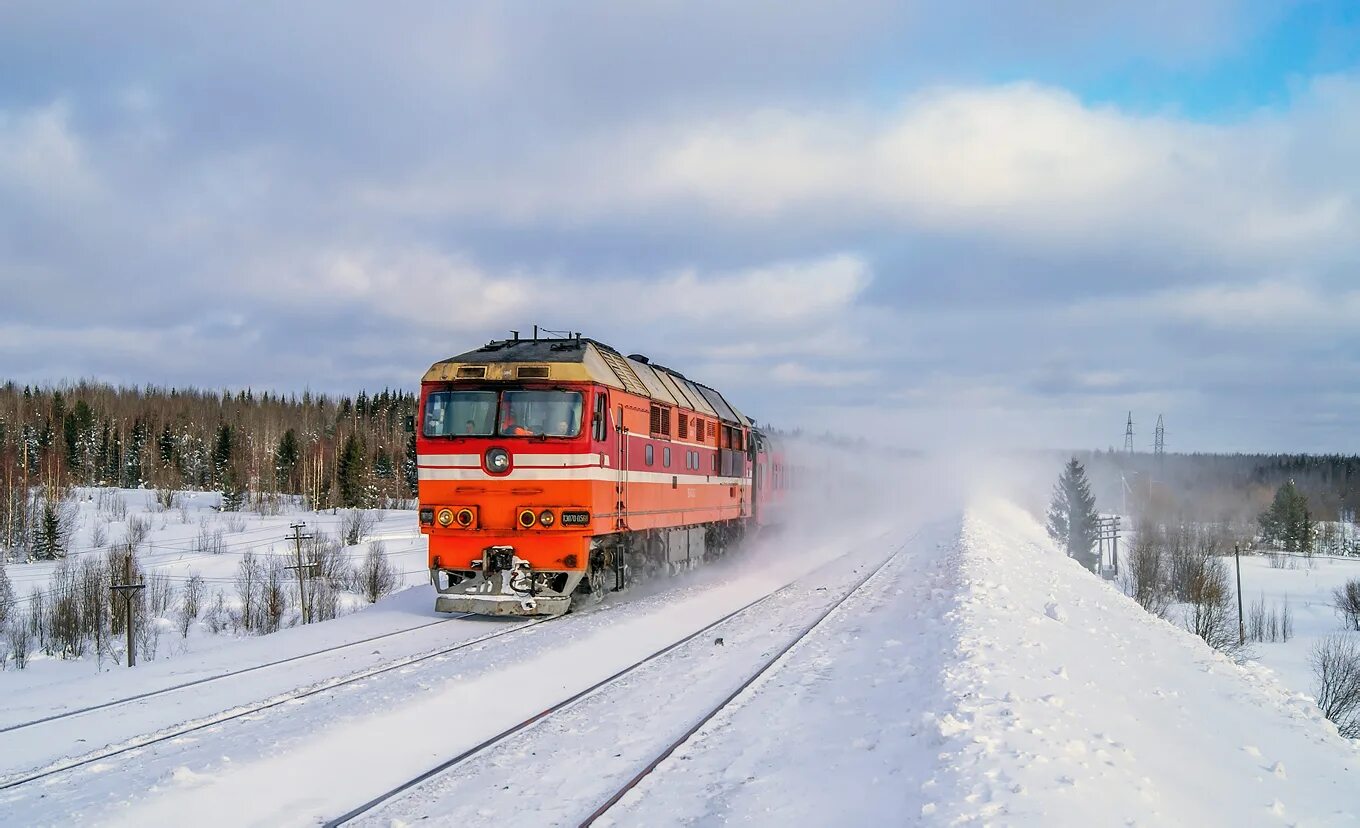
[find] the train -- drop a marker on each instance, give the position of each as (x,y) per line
(553,470)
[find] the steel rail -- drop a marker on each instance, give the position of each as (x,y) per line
(725,703)
(249,710)
(492,741)
(68,714)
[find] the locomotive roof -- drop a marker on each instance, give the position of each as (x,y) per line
(579,359)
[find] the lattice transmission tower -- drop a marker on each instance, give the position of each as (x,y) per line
(1128,435)
(1159,441)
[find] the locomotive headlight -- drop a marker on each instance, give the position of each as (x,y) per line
(445,517)
(527,518)
(464,518)
(546,518)
(498,460)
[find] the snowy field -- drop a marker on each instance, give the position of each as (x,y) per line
(1305,586)
(192,538)
(979,677)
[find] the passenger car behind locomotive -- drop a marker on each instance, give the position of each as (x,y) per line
(555,470)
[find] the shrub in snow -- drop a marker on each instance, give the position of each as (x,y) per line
(193,595)
(217,617)
(209,541)
(1336,668)
(1346,598)
(146,634)
(249,584)
(1145,576)
(356,525)
(167,499)
(137,530)
(328,561)
(1211,613)
(323,600)
(19,637)
(160,594)
(110,502)
(6,596)
(274,596)
(377,576)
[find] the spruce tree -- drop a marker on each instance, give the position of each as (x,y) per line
(6,595)
(1072,518)
(1288,523)
(285,461)
(223,450)
(410,471)
(50,542)
(352,473)
(225,469)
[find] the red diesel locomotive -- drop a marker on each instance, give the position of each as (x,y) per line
(555,470)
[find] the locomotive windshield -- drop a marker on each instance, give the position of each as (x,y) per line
(460,414)
(521,414)
(541,413)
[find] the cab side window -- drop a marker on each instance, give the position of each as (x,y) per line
(600,423)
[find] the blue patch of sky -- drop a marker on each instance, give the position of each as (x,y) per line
(1266,71)
(1263,65)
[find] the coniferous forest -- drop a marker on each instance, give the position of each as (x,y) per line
(330,451)
(1230,490)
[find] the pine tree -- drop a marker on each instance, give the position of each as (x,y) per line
(1072,518)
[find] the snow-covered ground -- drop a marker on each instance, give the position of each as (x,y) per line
(980,677)
(1073,706)
(190,539)
(1305,586)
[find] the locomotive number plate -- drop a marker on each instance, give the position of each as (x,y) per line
(576,518)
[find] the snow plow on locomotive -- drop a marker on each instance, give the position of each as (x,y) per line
(552,471)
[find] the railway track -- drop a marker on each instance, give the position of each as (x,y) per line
(500,738)
(244,711)
(728,702)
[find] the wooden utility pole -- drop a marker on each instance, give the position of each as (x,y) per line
(1241,628)
(129,591)
(297,538)
(1107,529)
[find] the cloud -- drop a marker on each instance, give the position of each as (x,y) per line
(1266,305)
(826,208)
(40,156)
(782,293)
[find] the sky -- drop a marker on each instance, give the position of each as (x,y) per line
(946,223)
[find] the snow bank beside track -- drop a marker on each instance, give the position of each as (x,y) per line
(1072,706)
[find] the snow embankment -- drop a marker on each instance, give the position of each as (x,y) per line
(1073,706)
